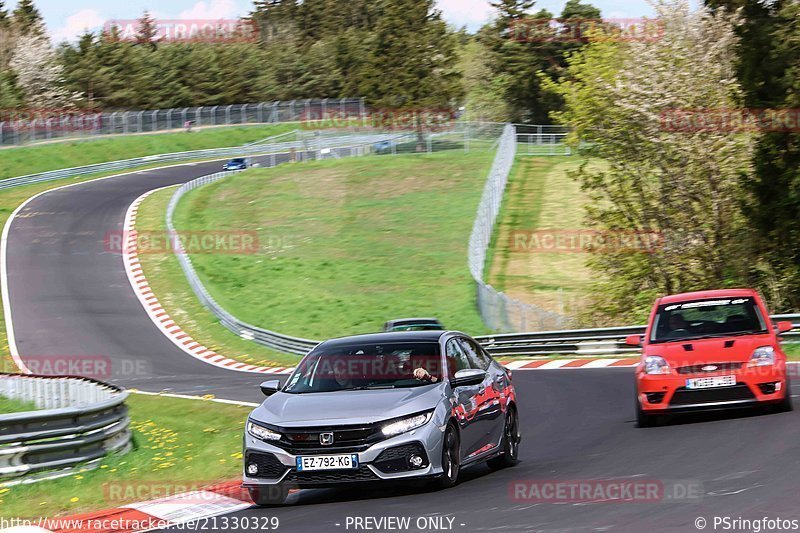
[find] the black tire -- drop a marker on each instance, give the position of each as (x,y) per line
(644,420)
(786,405)
(510,443)
(451,458)
(269,495)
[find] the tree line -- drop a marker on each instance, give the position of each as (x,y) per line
(395,53)
(726,202)
(699,130)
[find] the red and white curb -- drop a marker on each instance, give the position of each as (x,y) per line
(162,320)
(182,340)
(558,364)
(166,512)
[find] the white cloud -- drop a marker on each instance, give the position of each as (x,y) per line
(75,25)
(470,13)
(213,10)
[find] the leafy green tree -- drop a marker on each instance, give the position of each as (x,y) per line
(681,185)
(412,58)
(146,31)
(4,20)
(27,19)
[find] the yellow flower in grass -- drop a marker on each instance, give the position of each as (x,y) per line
(74,500)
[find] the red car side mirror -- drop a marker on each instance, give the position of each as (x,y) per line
(785,326)
(633,340)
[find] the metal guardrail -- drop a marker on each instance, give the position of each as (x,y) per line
(79,420)
(17,128)
(586,342)
(313,146)
(271,339)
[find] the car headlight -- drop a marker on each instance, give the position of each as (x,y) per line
(407,424)
(763,356)
(654,364)
(260,432)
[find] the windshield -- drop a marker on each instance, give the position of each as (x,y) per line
(696,319)
(237,160)
(367,366)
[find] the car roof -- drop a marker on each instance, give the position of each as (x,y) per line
(701,295)
(392,336)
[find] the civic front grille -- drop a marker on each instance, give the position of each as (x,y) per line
(304,441)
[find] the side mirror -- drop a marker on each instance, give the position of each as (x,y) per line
(468,377)
(270,387)
(785,326)
(633,340)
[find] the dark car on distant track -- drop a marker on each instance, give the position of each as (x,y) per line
(413,324)
(238,163)
(382,408)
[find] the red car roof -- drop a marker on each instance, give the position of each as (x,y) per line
(701,295)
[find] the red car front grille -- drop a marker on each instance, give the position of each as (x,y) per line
(705,368)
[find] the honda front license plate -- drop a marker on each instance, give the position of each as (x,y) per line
(710,383)
(327,462)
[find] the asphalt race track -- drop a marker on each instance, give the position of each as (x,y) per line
(577,426)
(70,297)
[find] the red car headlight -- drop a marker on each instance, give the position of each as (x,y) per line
(654,364)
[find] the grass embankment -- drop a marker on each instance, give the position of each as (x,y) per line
(179,444)
(8,405)
(166,279)
(540,198)
(344,245)
(44,157)
(792,351)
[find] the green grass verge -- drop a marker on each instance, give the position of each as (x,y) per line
(345,245)
(540,196)
(7,405)
(44,157)
(166,279)
(792,351)
(178,443)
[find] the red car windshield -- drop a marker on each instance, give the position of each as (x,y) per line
(697,319)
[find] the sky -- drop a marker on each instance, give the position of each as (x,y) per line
(68,19)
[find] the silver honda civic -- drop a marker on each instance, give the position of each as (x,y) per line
(379,408)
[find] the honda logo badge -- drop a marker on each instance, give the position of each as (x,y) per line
(326,439)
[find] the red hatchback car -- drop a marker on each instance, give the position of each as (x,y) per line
(710,350)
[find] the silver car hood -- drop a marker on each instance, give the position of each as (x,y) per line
(345,407)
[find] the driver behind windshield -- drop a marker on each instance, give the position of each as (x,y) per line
(393,365)
(678,326)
